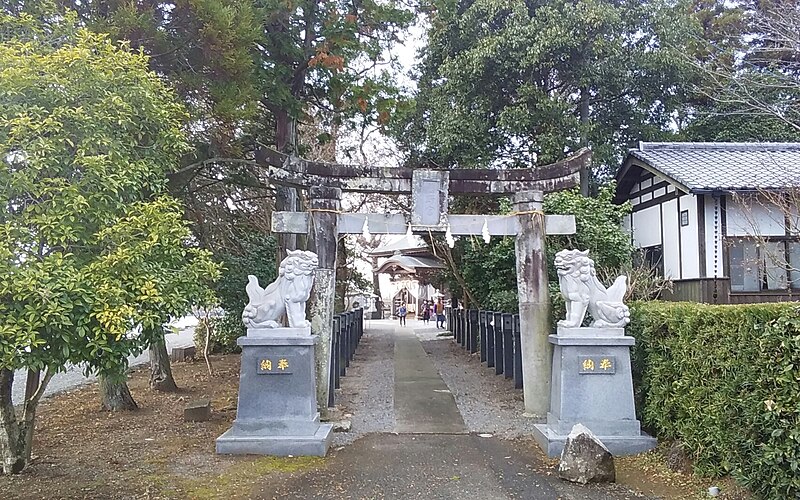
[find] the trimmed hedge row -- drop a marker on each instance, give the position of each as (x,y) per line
(725,381)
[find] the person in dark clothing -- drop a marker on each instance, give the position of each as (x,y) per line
(401,313)
(426,312)
(439,311)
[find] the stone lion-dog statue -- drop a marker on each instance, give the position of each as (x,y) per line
(287,295)
(582,290)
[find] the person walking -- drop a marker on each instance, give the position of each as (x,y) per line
(439,311)
(401,312)
(426,312)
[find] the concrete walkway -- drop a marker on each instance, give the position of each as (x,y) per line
(430,454)
(422,401)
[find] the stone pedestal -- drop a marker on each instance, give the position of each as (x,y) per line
(277,409)
(592,385)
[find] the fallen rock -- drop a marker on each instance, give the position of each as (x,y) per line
(585,458)
(197,411)
(342,426)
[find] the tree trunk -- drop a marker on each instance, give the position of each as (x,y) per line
(115,395)
(12,439)
(160,370)
(207,323)
(16,435)
(286,198)
(376,288)
(584,117)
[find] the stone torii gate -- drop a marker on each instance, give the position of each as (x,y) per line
(430,190)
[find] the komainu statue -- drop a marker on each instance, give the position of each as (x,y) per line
(582,290)
(286,295)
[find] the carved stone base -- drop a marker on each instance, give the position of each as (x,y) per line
(592,385)
(277,408)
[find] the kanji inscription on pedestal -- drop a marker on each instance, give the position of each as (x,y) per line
(597,365)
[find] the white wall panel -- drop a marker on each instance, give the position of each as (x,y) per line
(647,227)
(669,214)
(690,246)
(754,216)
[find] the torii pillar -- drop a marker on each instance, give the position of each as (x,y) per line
(323,233)
(534,302)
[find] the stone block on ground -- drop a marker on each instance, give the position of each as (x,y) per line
(585,458)
(184,353)
(342,426)
(197,411)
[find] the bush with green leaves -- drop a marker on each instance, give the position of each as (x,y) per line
(256,255)
(490,270)
(724,381)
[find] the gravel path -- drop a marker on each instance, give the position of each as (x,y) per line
(488,402)
(367,392)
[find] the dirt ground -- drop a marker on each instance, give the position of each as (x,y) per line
(83,452)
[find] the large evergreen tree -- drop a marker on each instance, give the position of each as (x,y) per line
(521,83)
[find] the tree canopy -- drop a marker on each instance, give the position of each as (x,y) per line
(94,254)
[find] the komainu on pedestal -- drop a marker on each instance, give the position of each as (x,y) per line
(591,382)
(276,413)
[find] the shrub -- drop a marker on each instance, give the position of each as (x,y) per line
(490,269)
(724,381)
(256,256)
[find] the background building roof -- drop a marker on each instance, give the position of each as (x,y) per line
(409,264)
(718,166)
(402,245)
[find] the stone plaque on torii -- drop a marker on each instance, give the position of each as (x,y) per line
(430,191)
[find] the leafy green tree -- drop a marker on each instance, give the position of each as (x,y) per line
(751,89)
(248,71)
(94,257)
(522,83)
(490,271)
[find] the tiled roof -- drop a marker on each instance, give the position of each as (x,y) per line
(401,245)
(410,263)
(725,166)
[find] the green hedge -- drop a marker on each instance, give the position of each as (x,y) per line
(725,381)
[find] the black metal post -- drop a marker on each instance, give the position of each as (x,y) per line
(489,339)
(508,345)
(347,341)
(482,333)
(336,355)
(353,334)
(498,343)
(517,354)
(473,330)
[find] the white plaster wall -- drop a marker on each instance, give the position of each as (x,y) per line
(753,216)
(669,214)
(690,246)
(647,227)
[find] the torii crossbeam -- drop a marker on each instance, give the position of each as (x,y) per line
(430,190)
